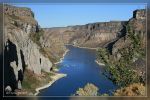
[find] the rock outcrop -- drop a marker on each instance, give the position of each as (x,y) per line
(137,25)
(20,51)
(139,14)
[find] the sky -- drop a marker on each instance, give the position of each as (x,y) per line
(62,15)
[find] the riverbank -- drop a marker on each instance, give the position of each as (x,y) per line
(61,59)
(99,63)
(54,78)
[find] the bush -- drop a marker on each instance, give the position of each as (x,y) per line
(88,90)
(135,89)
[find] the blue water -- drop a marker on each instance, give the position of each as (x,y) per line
(80,66)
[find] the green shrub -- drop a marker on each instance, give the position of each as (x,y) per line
(103,55)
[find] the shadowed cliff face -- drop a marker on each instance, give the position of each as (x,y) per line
(10,55)
(19,25)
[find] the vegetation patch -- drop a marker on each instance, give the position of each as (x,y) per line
(88,90)
(30,81)
(135,89)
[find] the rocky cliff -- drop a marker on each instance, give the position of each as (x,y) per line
(87,35)
(20,51)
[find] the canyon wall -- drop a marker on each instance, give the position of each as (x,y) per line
(20,52)
(91,35)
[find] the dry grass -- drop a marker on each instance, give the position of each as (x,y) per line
(32,81)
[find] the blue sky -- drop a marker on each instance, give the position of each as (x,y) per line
(58,15)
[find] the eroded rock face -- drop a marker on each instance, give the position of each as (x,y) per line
(20,49)
(139,14)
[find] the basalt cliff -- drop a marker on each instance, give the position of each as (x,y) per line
(21,52)
(91,35)
(29,48)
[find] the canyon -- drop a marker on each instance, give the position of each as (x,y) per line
(29,47)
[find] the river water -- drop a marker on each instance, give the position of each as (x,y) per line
(80,66)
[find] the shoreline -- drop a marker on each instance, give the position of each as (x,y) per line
(56,77)
(61,59)
(99,63)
